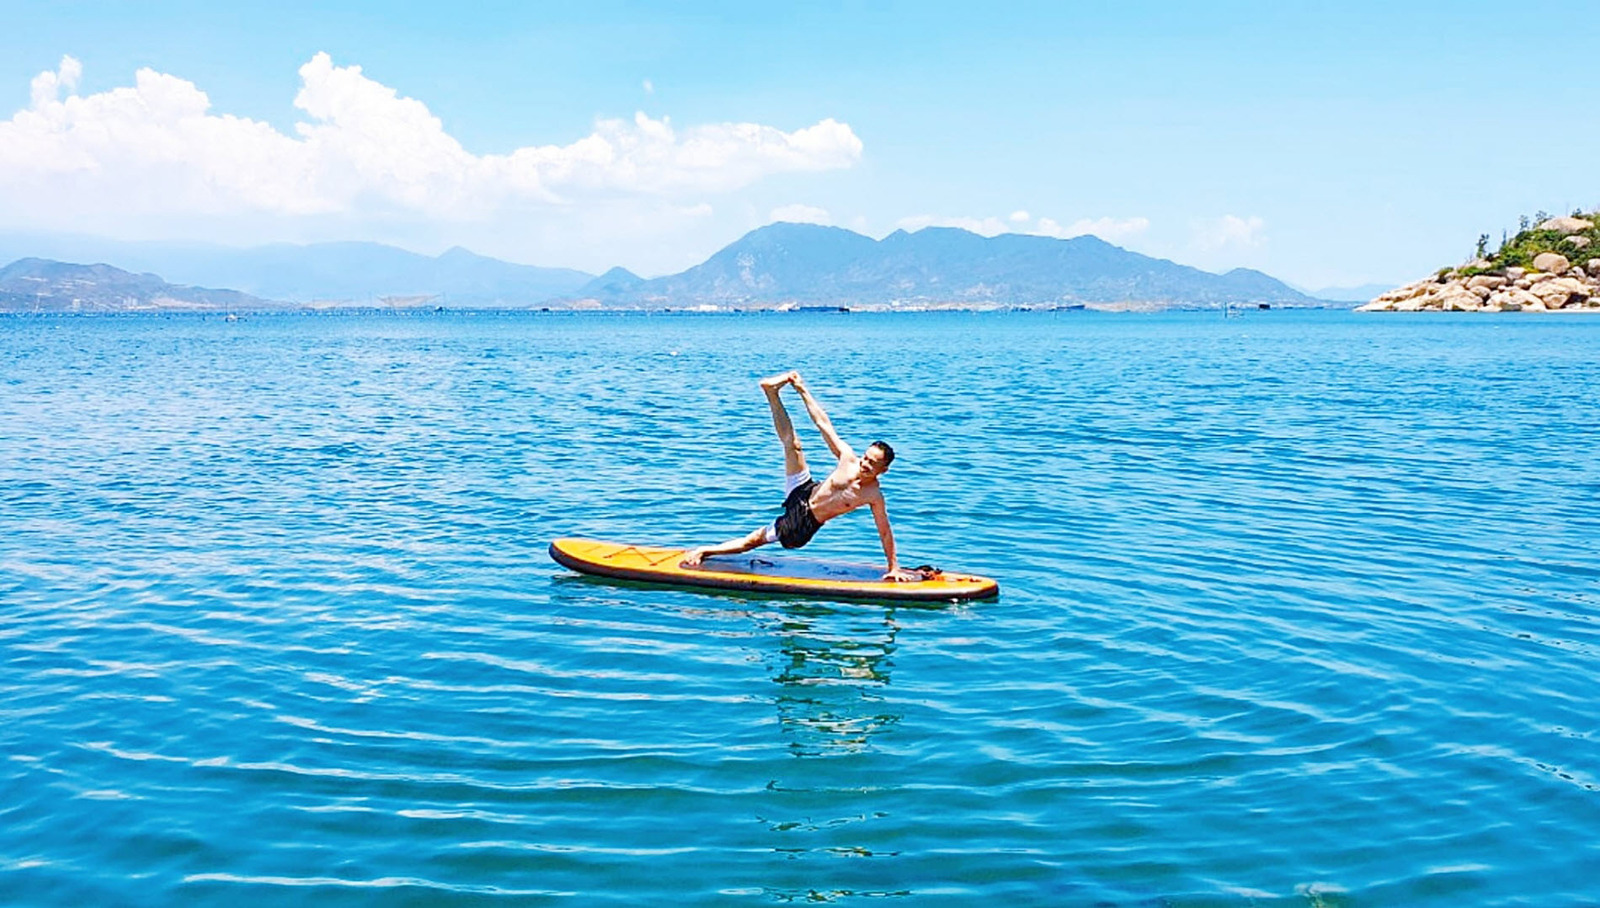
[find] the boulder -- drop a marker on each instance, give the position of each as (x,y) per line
(1378,305)
(1459,301)
(1567,225)
(1561,291)
(1551,262)
(1515,300)
(1538,277)
(1578,241)
(1481,292)
(1415,288)
(1413,304)
(1594,267)
(1491,281)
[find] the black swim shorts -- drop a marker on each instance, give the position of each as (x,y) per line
(797,524)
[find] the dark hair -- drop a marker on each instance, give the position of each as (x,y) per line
(888,452)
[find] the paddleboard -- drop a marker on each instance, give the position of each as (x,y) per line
(763,572)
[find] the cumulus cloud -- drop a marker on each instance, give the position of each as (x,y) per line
(1104,228)
(801,214)
(1229,232)
(1022,222)
(47,86)
(361,151)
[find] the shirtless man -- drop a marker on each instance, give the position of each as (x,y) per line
(810,504)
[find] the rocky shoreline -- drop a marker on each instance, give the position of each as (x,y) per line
(1552,281)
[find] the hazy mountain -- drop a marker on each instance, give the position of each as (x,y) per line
(780,263)
(617,281)
(40,285)
(1358,294)
(806,263)
(359,273)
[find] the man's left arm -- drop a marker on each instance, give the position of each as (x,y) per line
(880,516)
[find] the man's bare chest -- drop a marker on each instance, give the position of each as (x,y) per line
(843,494)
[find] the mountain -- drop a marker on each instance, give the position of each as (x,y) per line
(1358,294)
(357,273)
(40,285)
(806,263)
(617,281)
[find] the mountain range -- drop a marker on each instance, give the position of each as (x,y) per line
(41,285)
(777,266)
(1357,294)
(806,263)
(349,273)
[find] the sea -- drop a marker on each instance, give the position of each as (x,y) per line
(1297,609)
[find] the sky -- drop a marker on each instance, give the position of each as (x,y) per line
(1328,145)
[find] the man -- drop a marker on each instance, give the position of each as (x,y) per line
(809,504)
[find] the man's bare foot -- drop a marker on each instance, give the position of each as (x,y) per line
(692,558)
(774,382)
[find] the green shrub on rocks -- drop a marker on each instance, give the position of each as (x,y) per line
(1530,241)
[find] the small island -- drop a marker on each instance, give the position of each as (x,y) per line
(1553,266)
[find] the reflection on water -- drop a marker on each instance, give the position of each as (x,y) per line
(830,665)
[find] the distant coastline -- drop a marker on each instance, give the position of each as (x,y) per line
(271,309)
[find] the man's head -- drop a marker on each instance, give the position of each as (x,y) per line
(877,458)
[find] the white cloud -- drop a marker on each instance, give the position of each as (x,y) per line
(649,87)
(362,153)
(1229,232)
(46,86)
(1019,222)
(801,214)
(1104,228)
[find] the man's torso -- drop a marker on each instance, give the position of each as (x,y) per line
(844,490)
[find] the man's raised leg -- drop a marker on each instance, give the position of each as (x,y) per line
(794,461)
(794,458)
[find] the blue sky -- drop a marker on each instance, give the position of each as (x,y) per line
(1368,143)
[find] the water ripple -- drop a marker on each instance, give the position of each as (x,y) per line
(1298,609)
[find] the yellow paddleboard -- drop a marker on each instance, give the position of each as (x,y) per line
(762,572)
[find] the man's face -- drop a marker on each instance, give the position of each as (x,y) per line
(873,463)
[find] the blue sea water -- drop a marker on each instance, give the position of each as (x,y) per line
(1297,609)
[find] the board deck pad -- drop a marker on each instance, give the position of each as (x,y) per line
(762,572)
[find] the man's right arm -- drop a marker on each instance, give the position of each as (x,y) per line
(820,417)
